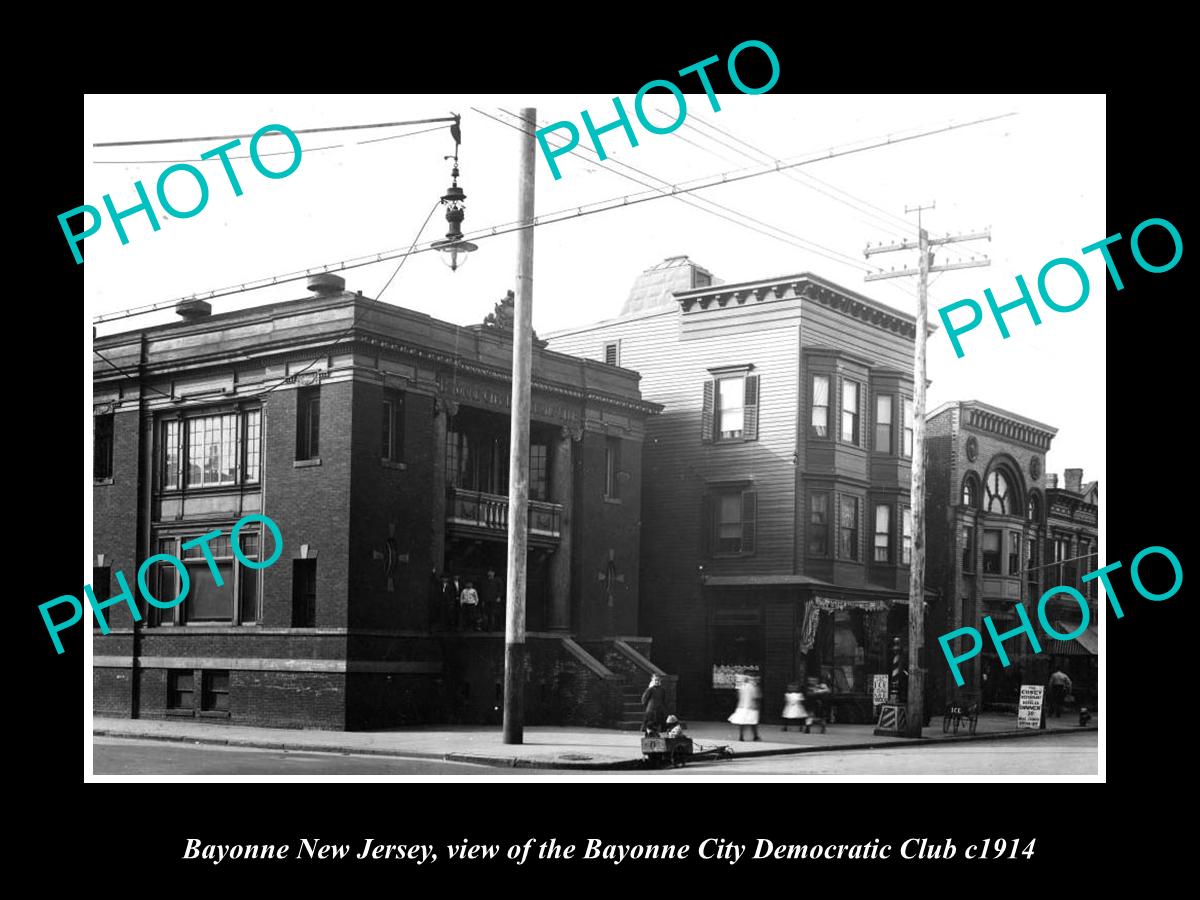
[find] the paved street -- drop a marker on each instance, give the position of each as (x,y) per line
(117,756)
(1068,754)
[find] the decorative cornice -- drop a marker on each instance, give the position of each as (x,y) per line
(1008,428)
(804,288)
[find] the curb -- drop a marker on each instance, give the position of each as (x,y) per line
(516,762)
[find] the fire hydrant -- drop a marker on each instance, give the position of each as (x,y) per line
(1084,716)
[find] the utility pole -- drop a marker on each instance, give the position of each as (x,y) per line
(518,464)
(916,584)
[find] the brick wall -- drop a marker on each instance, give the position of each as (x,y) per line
(114,516)
(311,504)
(388,501)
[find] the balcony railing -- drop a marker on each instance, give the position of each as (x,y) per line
(480,514)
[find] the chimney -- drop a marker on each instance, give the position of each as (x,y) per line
(1074,479)
(326,284)
(193,310)
(1053,476)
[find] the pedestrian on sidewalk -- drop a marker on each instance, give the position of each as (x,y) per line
(793,705)
(449,601)
(747,706)
(654,702)
(1060,686)
(492,596)
(469,600)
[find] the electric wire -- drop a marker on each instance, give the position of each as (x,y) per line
(118,162)
(563,215)
(804,243)
(229,137)
(129,375)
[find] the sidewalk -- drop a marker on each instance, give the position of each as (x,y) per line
(551,747)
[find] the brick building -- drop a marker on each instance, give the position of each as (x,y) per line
(377,439)
(988,539)
(776,530)
(1071,551)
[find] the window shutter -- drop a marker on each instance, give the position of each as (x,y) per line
(750,423)
(706,524)
(706,413)
(749,516)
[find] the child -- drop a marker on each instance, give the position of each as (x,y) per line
(793,704)
(675,728)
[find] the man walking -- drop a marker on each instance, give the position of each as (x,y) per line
(492,595)
(1060,687)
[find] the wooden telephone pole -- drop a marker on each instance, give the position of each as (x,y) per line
(518,466)
(916,584)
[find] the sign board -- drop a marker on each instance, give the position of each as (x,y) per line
(879,691)
(1029,711)
(726,676)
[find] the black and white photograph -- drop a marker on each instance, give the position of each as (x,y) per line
(702,433)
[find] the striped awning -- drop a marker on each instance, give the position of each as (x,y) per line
(1086,644)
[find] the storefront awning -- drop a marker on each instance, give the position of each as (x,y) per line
(1086,644)
(764,581)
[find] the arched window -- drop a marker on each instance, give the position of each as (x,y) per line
(997,493)
(970,491)
(1034,508)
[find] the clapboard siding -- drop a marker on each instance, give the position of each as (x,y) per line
(827,327)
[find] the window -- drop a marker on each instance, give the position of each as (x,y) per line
(1033,510)
(393,426)
(1033,572)
(883,423)
(818,523)
(180,689)
(820,406)
(730,411)
(214,694)
(101,583)
(909,416)
(733,522)
(970,491)
(206,600)
(612,468)
(249,582)
(997,492)
(253,445)
(906,546)
(848,531)
(304,593)
(164,584)
(211,450)
(102,446)
(968,558)
(308,422)
(883,536)
(850,411)
(1014,553)
(991,551)
(539,472)
(612,353)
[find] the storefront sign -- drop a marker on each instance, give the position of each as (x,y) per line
(1029,712)
(726,676)
(879,691)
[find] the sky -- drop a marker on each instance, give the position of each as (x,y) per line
(1036,179)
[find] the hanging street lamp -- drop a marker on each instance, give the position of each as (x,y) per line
(454,248)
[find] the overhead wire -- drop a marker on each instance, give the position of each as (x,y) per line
(796,240)
(573,212)
(393,137)
(881,215)
(228,137)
